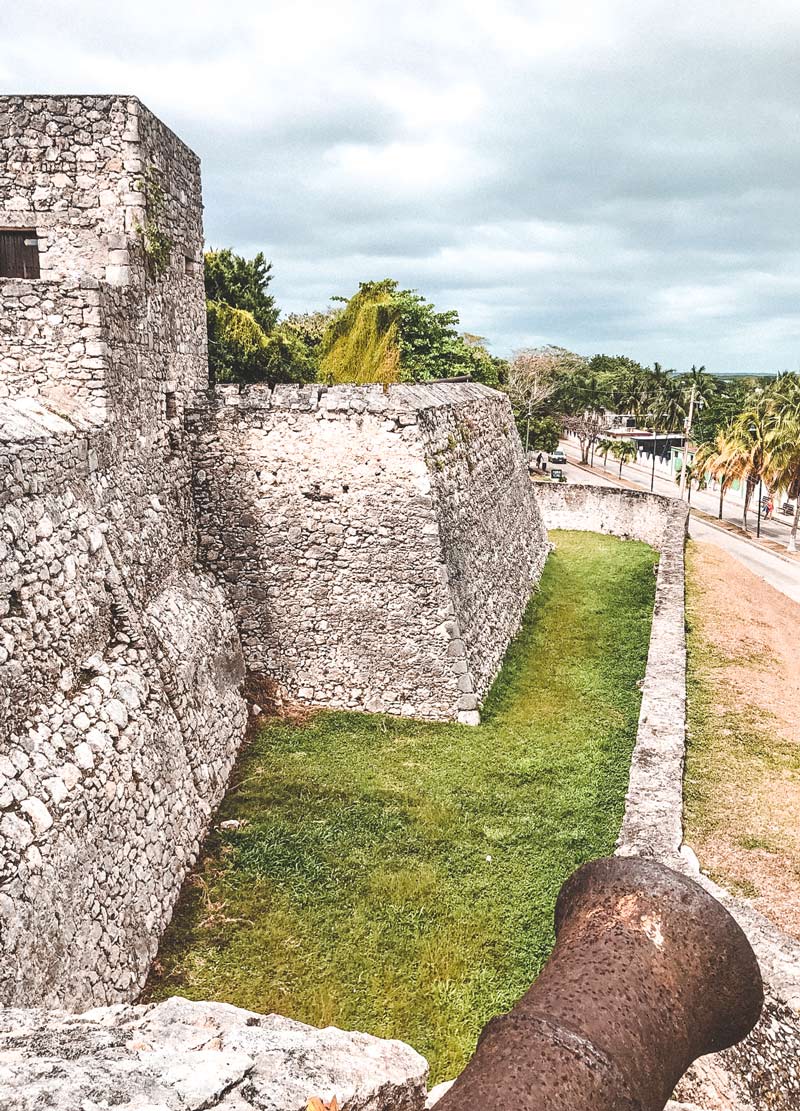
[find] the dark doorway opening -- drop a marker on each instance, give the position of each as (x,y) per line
(19,254)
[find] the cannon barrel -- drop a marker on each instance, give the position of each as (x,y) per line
(648,973)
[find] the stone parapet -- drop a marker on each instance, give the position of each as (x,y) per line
(196,1056)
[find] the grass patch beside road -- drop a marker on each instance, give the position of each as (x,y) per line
(400,877)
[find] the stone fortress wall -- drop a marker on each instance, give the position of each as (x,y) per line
(120,666)
(353,536)
(379,546)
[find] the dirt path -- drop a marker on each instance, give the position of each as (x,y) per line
(743,765)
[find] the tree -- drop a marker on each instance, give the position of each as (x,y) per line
(623,380)
(532,374)
(605,447)
(386,334)
(583,399)
(705,385)
(309,328)
(240,351)
(624,451)
(586,427)
(362,344)
(721,408)
(542,433)
(745,445)
(481,365)
(782,463)
(710,459)
(430,346)
(241,283)
(668,408)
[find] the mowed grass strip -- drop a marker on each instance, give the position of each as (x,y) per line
(400,877)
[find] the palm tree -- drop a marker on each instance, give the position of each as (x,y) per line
(785,391)
(623,450)
(605,447)
(710,460)
(705,385)
(782,462)
(670,405)
(745,447)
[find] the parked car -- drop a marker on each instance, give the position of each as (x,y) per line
(557,475)
(557,457)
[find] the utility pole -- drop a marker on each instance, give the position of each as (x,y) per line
(686,435)
(653,462)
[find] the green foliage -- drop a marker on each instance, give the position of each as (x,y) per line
(156,243)
(242,283)
(479,364)
(615,367)
(399,877)
(245,343)
(361,345)
(624,451)
(310,327)
(720,409)
(605,446)
(386,334)
(539,433)
(240,351)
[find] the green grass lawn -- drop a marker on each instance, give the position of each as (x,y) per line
(399,877)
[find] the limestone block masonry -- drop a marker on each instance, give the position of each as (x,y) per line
(195,1057)
(121,708)
(379,546)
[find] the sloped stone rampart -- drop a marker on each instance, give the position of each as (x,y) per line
(121,708)
(379,546)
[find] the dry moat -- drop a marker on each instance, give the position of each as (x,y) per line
(400,877)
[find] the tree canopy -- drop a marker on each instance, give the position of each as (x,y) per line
(245,342)
(242,283)
(386,334)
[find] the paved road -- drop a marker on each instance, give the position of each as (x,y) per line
(784,576)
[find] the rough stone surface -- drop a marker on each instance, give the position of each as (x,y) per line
(629,514)
(191,1056)
(120,665)
(379,546)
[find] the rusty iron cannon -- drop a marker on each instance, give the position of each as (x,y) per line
(648,973)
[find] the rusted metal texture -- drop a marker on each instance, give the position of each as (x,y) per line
(648,973)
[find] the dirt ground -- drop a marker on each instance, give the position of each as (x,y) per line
(743,762)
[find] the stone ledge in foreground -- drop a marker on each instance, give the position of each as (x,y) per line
(185,1056)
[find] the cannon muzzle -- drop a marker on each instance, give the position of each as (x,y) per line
(648,973)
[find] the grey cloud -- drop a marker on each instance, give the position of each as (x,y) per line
(621,176)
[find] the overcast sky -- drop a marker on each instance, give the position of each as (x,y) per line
(618,177)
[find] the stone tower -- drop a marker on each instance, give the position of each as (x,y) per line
(102,203)
(120,666)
